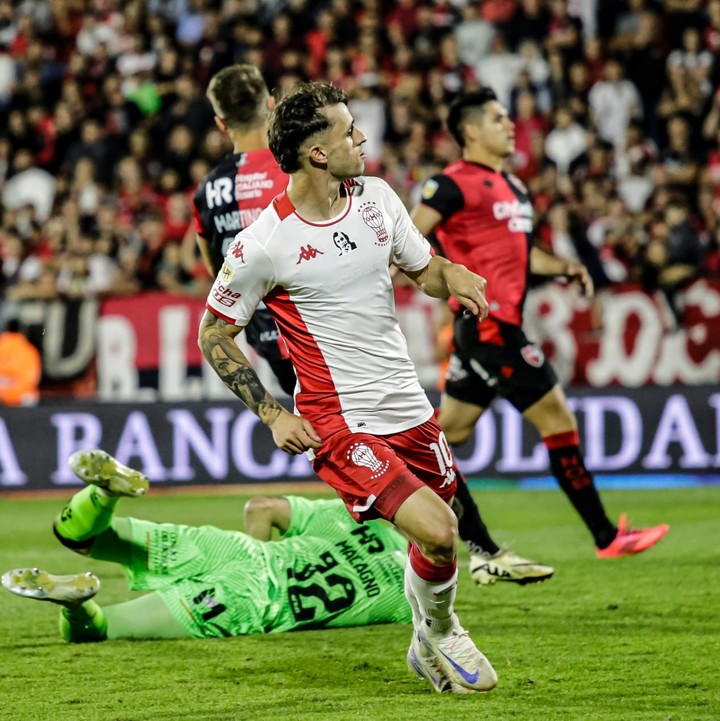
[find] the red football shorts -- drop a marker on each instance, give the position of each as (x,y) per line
(374,475)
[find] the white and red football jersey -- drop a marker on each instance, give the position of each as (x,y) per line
(328,287)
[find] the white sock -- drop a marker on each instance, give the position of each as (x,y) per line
(416,614)
(434,600)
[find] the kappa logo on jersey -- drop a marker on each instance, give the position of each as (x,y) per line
(225,296)
(533,355)
(307,252)
(226,273)
(429,189)
(343,243)
(374,219)
(362,455)
(238,251)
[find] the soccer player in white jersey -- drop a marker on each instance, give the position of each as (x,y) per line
(319,258)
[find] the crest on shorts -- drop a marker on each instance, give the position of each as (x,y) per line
(362,455)
(533,355)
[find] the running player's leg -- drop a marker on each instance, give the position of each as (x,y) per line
(523,376)
(431,583)
(388,476)
(467,396)
(557,426)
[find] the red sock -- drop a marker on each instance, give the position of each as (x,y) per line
(429,571)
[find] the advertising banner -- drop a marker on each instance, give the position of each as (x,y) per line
(650,430)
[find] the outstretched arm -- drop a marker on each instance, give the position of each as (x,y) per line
(293,434)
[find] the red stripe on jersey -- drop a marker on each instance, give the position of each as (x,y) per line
(220,315)
(318,399)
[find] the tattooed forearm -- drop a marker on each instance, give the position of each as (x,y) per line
(230,363)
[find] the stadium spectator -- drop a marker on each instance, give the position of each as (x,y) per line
(494,358)
(675,255)
(20,369)
(29,186)
(614,102)
(132,91)
(566,142)
(331,298)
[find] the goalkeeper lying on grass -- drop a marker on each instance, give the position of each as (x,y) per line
(204,582)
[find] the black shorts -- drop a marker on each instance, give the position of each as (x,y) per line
(498,361)
(264,337)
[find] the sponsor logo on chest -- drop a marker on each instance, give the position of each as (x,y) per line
(519,215)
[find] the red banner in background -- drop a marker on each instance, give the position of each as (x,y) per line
(153,318)
(626,336)
(147,344)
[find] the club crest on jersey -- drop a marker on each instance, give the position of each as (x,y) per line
(307,252)
(343,243)
(533,355)
(374,219)
(226,273)
(429,189)
(362,455)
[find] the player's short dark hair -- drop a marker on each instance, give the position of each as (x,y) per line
(239,96)
(462,107)
(297,117)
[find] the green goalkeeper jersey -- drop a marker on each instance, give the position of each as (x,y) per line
(327,571)
(331,571)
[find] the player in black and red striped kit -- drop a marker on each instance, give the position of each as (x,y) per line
(232,195)
(482,217)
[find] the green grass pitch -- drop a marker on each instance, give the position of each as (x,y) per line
(633,639)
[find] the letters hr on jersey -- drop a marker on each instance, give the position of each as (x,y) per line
(677,433)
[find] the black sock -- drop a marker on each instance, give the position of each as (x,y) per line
(568,467)
(472,530)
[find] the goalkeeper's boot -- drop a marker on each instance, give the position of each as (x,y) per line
(630,541)
(98,468)
(506,566)
(463,664)
(67,591)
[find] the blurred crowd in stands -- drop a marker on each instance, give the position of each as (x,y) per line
(105,130)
